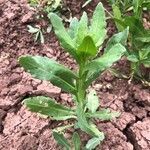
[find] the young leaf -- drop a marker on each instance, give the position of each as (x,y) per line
(98,25)
(73,28)
(98,65)
(87,48)
(76,141)
(32,29)
(61,140)
(103,115)
(85,126)
(92,101)
(92,143)
(133,58)
(120,37)
(117,15)
(82,29)
(47,69)
(48,107)
(66,41)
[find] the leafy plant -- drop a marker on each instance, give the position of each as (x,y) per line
(82,42)
(139,38)
(46,5)
(37,31)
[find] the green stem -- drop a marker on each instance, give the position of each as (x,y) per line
(81,92)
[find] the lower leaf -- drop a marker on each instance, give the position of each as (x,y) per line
(49,107)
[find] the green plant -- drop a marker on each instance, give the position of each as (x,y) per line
(46,5)
(138,51)
(82,42)
(37,31)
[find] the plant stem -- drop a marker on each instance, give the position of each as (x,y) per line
(81,92)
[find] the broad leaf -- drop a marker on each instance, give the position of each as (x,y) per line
(82,29)
(92,101)
(120,37)
(76,141)
(87,49)
(104,114)
(98,65)
(66,41)
(85,126)
(48,107)
(61,140)
(47,69)
(98,25)
(94,142)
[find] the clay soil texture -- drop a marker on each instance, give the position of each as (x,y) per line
(22,130)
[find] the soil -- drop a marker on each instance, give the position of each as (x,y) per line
(22,130)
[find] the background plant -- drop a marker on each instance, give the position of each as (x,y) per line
(128,13)
(82,41)
(37,32)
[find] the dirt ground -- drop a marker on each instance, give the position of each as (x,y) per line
(23,130)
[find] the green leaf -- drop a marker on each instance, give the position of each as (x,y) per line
(44,68)
(117,15)
(48,107)
(73,28)
(87,48)
(133,58)
(145,38)
(94,142)
(85,126)
(98,65)
(64,38)
(120,37)
(61,140)
(92,101)
(98,25)
(82,29)
(103,115)
(76,141)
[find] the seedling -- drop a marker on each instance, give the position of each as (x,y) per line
(37,32)
(82,42)
(46,5)
(138,52)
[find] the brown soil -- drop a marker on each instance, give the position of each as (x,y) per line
(23,130)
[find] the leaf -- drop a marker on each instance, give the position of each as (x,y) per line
(61,140)
(92,101)
(145,38)
(94,142)
(117,15)
(41,37)
(98,65)
(87,48)
(72,31)
(120,37)
(103,115)
(76,141)
(133,58)
(82,29)
(64,38)
(32,29)
(47,106)
(84,125)
(98,25)
(44,68)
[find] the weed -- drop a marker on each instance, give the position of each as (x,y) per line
(82,42)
